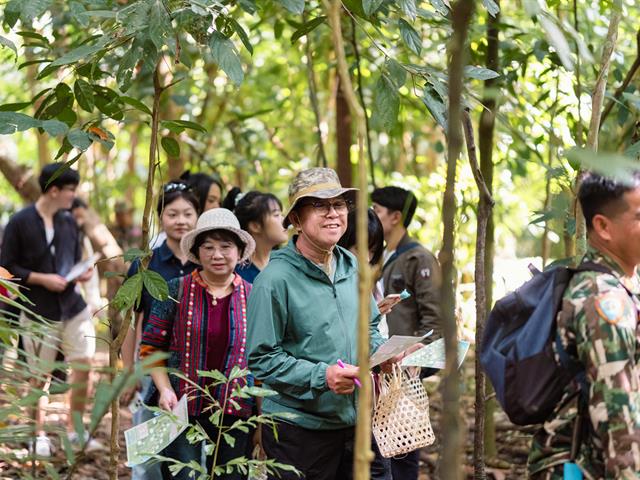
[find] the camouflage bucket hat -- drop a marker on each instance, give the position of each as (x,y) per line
(315,183)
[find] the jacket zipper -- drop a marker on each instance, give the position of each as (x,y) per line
(346,336)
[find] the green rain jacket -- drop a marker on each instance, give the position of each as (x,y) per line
(299,323)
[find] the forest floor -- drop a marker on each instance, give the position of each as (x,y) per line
(512,443)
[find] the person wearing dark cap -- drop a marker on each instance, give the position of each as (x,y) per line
(408,265)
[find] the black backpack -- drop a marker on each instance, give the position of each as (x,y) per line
(517,348)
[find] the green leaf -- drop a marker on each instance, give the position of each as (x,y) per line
(79,139)
(33,9)
(294,6)
(307,27)
(11,122)
(633,150)
(386,103)
(225,55)
(84,95)
(182,124)
(371,6)
(214,374)
(12,12)
(171,146)
(129,292)
(135,103)
(34,35)
(5,42)
(435,104)
(14,107)
(159,24)
(409,8)
(397,73)
(134,254)
(244,37)
(410,36)
(54,127)
(556,38)
(127,66)
(479,73)
(64,168)
(492,7)
(80,53)
(155,284)
(440,6)
(619,167)
(102,398)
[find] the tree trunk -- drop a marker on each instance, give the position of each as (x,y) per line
(451,459)
(21,179)
(343,137)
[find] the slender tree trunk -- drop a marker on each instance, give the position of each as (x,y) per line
(486,131)
(597,100)
(21,178)
(343,137)
(313,96)
(362,452)
(451,460)
(131,164)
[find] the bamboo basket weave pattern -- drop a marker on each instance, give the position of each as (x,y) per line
(401,421)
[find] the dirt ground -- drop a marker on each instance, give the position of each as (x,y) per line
(513,443)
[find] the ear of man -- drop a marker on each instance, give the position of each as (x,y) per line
(601,226)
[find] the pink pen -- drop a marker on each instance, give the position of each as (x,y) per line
(355,380)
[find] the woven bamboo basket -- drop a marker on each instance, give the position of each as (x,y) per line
(401,421)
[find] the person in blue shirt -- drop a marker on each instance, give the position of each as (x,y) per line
(260,214)
(177,210)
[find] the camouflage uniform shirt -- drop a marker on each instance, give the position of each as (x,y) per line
(598,324)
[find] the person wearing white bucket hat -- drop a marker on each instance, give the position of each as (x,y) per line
(302,332)
(205,330)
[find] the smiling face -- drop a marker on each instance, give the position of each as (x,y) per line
(323,221)
(219,256)
(178,218)
(621,230)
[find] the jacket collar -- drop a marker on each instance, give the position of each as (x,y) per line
(596,256)
(164,252)
(345,262)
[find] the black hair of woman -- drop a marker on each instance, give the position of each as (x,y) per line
(254,206)
(376,235)
(174,190)
(201,184)
(231,199)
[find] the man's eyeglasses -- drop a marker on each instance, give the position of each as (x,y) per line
(176,186)
(323,207)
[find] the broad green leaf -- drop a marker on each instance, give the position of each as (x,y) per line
(84,95)
(307,27)
(397,73)
(135,103)
(294,6)
(386,103)
(178,126)
(29,34)
(11,122)
(409,8)
(127,66)
(214,374)
(491,6)
(128,294)
(556,38)
(371,6)
(225,55)
(435,104)
(410,36)
(611,165)
(54,127)
(479,73)
(79,139)
(32,9)
(633,150)
(77,11)
(63,168)
(14,107)
(440,6)
(5,42)
(244,37)
(81,52)
(171,146)
(159,24)
(102,398)
(134,254)
(12,12)
(155,284)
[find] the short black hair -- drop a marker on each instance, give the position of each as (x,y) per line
(78,203)
(174,190)
(376,235)
(220,234)
(64,175)
(397,199)
(254,206)
(200,184)
(600,195)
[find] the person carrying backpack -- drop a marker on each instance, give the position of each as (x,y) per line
(597,326)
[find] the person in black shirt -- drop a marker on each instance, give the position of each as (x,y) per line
(41,246)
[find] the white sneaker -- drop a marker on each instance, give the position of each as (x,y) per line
(43,446)
(92,445)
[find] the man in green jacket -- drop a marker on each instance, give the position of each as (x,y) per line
(302,313)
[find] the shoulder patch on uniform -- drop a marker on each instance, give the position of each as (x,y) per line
(611,306)
(425,272)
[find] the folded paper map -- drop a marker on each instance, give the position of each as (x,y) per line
(151,437)
(432,356)
(394,346)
